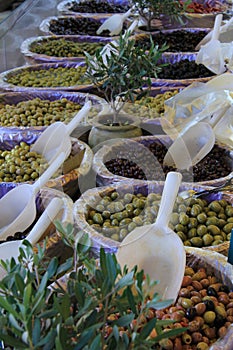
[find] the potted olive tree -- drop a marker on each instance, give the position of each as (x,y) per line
(160,13)
(121,73)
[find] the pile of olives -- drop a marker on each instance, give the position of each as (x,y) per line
(20,164)
(37,112)
(143,165)
(150,106)
(177,41)
(198,222)
(77,26)
(60,47)
(97,7)
(50,77)
(184,69)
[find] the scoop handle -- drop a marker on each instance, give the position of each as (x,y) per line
(48,173)
(45,219)
(217,24)
(78,117)
(170,191)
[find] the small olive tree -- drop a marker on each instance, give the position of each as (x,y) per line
(150,10)
(123,69)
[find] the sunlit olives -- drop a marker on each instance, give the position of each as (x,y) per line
(37,112)
(49,77)
(29,168)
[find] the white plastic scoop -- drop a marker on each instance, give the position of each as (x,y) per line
(18,207)
(114,23)
(111,47)
(156,248)
(210,54)
(10,249)
(55,138)
(188,149)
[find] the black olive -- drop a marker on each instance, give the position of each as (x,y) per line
(212,292)
(219,321)
(191,313)
(10,238)
(224,289)
(209,305)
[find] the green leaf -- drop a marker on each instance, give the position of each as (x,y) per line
(115,333)
(12,341)
(15,323)
(131,300)
(7,307)
(65,267)
(147,329)
(96,343)
(48,340)
(125,281)
(170,333)
(124,321)
(84,339)
(159,304)
(36,331)
(19,283)
(27,295)
(52,268)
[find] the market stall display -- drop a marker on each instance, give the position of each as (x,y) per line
(183,96)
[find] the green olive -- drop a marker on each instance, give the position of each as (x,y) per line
(196,241)
(209,316)
(228,227)
(201,230)
(207,239)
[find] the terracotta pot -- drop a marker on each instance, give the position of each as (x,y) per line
(104,129)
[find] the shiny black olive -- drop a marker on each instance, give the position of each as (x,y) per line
(191,313)
(212,292)
(209,305)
